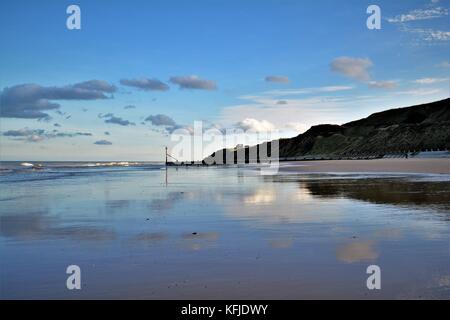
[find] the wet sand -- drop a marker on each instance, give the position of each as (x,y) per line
(430,166)
(223,233)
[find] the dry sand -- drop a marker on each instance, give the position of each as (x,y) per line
(434,166)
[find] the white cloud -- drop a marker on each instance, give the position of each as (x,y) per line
(389,84)
(103,143)
(427,34)
(145,84)
(419,14)
(297,126)
(278,79)
(358,69)
(419,92)
(430,80)
(296,116)
(30,101)
(300,91)
(254,125)
(36,135)
(193,82)
(444,64)
(432,35)
(354,68)
(424,34)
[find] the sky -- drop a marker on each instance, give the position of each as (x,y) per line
(139,71)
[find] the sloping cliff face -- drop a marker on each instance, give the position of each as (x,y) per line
(414,128)
(395,131)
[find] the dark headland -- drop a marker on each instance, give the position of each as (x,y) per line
(395,132)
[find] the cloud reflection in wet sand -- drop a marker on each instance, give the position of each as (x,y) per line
(198,241)
(41,226)
(260,197)
(269,205)
(151,237)
(166,203)
(281,243)
(357,251)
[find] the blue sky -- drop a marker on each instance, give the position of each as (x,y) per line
(275,65)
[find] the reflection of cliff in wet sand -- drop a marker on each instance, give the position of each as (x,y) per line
(384,191)
(434,166)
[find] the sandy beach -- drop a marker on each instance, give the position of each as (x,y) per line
(225,233)
(430,166)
